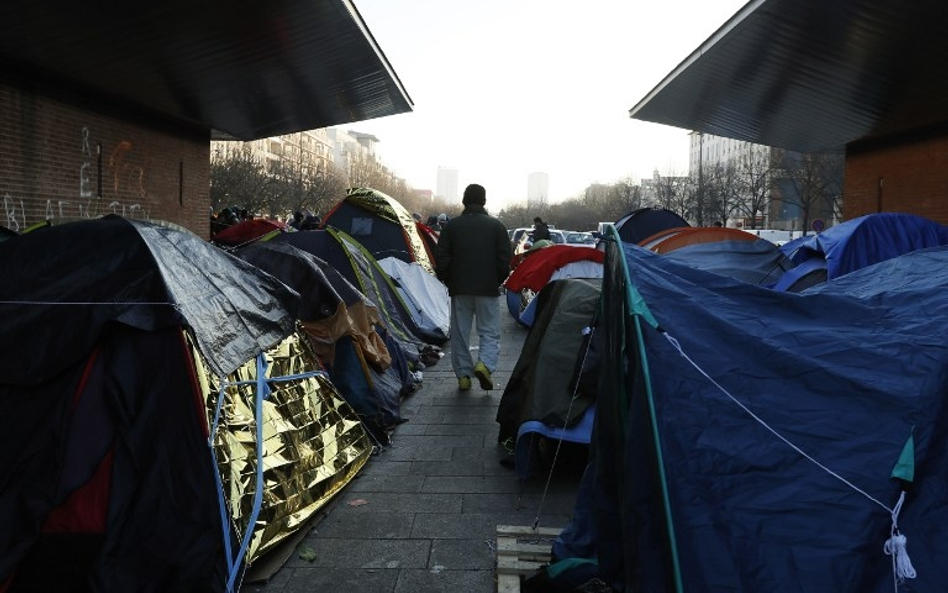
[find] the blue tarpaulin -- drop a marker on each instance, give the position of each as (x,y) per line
(756,450)
(857,243)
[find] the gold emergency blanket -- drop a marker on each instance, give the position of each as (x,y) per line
(388,208)
(313,443)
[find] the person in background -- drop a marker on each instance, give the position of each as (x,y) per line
(311,222)
(541,230)
(473,260)
(297,220)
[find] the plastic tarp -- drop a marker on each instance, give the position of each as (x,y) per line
(537,268)
(541,267)
(861,242)
(576,269)
(365,363)
(84,275)
(757,262)
(360,268)
(540,386)
(764,461)
(426,297)
(526,450)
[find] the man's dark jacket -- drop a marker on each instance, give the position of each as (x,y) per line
(473,253)
(541,232)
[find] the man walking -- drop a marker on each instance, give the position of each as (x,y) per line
(473,260)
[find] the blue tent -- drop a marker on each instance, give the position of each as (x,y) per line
(855,244)
(752,440)
(758,262)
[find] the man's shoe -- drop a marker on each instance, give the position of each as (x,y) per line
(483,375)
(464,383)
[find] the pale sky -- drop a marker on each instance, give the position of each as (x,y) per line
(504,88)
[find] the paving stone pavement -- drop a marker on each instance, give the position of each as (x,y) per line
(422,514)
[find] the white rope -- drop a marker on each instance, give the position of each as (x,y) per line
(85,303)
(894,546)
(559,443)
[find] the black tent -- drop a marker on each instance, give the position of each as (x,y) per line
(381,224)
(106,470)
(643,223)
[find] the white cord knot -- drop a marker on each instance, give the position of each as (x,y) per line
(895,547)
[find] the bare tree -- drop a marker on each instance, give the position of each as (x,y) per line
(240,179)
(674,193)
(516,215)
(723,192)
(816,179)
(597,197)
(365,171)
(626,196)
(573,215)
(755,170)
(324,187)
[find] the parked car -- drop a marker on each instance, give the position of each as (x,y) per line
(517,234)
(526,240)
(580,239)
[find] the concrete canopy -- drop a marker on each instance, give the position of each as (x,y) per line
(809,75)
(243,70)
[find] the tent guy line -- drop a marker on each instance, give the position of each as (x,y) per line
(559,443)
(84,303)
(894,546)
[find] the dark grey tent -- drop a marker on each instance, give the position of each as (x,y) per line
(541,398)
(642,223)
(115,331)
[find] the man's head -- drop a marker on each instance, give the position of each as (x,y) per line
(474,195)
(537,220)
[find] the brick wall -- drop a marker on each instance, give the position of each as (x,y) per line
(913,173)
(62,162)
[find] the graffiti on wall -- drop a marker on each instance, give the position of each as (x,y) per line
(85,171)
(15,217)
(128,179)
(126,176)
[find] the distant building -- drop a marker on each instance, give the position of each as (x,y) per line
(426,195)
(310,150)
(447,186)
(538,190)
(352,149)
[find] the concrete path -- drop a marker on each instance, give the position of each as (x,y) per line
(422,515)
